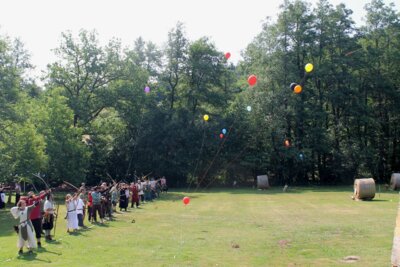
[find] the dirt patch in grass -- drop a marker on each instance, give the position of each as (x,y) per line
(351,259)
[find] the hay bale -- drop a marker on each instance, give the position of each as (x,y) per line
(395,181)
(262,182)
(364,189)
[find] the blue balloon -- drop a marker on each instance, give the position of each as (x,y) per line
(301,156)
(224,131)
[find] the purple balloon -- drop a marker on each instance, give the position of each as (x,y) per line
(147,89)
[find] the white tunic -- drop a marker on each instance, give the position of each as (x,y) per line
(48,205)
(79,206)
(23,216)
(72,218)
(153,184)
(140,188)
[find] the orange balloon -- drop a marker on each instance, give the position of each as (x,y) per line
(252,80)
(287,143)
(186,200)
(298,89)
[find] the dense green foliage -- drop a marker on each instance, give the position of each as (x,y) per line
(345,123)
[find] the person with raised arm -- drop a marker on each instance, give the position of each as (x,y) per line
(24,227)
(35,215)
(72,218)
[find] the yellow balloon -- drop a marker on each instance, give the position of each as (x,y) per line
(206,117)
(309,67)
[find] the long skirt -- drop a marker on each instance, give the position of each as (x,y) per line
(26,228)
(123,202)
(72,220)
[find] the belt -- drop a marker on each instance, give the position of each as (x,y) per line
(23,222)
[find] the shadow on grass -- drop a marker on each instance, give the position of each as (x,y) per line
(42,249)
(53,242)
(102,225)
(77,233)
(31,257)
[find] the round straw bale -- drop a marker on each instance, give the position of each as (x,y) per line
(262,182)
(395,181)
(364,188)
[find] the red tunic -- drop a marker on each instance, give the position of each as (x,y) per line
(135,193)
(35,214)
(90,200)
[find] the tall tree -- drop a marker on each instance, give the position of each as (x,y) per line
(85,71)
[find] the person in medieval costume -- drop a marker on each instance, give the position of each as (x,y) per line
(48,217)
(17,192)
(96,205)
(114,197)
(123,199)
(36,216)
(72,218)
(164,186)
(135,195)
(2,198)
(25,227)
(140,189)
(80,210)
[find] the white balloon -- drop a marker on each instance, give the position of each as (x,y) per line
(248,108)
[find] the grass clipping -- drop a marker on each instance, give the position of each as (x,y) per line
(364,189)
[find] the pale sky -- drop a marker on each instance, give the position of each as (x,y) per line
(230,24)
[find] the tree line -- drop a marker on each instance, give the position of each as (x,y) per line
(93,115)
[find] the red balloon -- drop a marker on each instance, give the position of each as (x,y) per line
(227,55)
(221,136)
(252,80)
(186,200)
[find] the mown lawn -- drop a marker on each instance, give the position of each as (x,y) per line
(241,227)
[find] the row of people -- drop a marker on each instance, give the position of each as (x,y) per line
(35,214)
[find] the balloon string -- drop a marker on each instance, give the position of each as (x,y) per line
(234,159)
(135,140)
(198,159)
(216,154)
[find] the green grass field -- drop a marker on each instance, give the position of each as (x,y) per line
(243,227)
